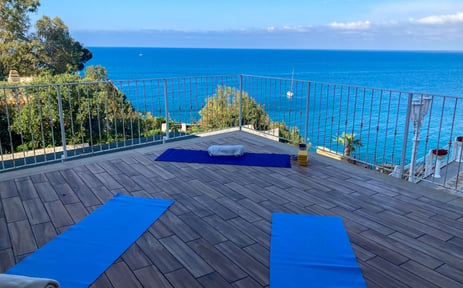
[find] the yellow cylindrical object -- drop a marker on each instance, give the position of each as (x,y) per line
(302,158)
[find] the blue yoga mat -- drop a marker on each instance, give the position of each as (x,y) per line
(248,159)
(311,251)
(78,256)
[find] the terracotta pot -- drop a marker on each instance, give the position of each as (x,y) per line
(460,138)
(440,152)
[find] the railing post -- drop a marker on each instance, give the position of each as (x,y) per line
(166,107)
(61,122)
(307,115)
(405,140)
(241,101)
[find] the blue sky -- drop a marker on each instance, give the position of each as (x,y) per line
(294,24)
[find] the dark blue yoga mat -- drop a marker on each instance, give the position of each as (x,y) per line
(248,159)
(311,251)
(78,256)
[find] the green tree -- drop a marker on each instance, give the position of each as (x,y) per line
(222,110)
(17,50)
(349,142)
(60,53)
(51,48)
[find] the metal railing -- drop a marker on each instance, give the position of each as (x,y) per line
(390,131)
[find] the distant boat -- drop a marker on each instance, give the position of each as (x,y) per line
(140,54)
(290,93)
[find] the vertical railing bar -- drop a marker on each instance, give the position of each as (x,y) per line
(20,124)
(131,110)
(137,112)
(306,134)
(61,122)
(107,126)
(355,112)
(395,127)
(9,128)
(241,103)
(450,142)
(116,138)
(440,128)
(332,115)
(387,126)
(145,103)
(51,124)
(361,121)
(326,113)
(313,114)
(29,104)
(405,140)
(339,117)
(429,127)
(319,113)
(458,160)
(160,108)
(369,127)
(71,116)
(152,109)
(89,118)
(347,118)
(39,104)
(377,124)
(98,118)
(123,114)
(166,107)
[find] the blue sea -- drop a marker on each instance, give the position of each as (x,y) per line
(428,72)
(436,73)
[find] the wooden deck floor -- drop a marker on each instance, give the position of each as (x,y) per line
(217,233)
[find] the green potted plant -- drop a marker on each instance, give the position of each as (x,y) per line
(349,142)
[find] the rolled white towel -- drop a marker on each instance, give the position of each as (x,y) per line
(17,281)
(226,150)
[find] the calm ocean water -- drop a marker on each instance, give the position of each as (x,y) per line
(429,72)
(438,73)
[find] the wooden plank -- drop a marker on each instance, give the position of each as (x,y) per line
(185,255)
(223,265)
(176,225)
(35,211)
(135,258)
(247,282)
(158,254)
(58,214)
(22,239)
(431,275)
(214,280)
(182,279)
(151,277)
(26,189)
(395,272)
(239,209)
(102,282)
(66,194)
(46,192)
(254,268)
(44,233)
(77,211)
(8,189)
(252,231)
(121,276)
(231,232)
(6,255)
(260,253)
(13,209)
(4,235)
(216,207)
(452,272)
(201,227)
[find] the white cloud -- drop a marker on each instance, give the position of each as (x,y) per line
(358,25)
(439,20)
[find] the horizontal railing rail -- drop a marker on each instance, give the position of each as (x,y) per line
(391,131)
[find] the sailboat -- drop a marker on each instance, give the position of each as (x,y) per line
(290,93)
